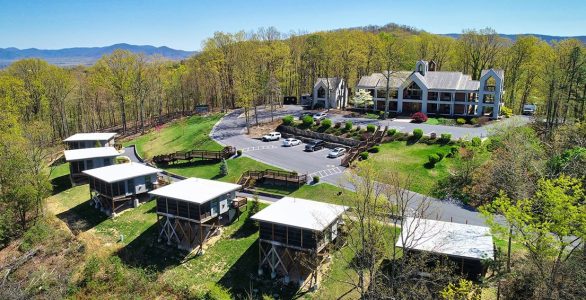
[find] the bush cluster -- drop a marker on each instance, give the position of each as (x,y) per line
(445,137)
(348,125)
(307,121)
(337,125)
(374,149)
(433,159)
(288,120)
(417,133)
(476,141)
(506,112)
(370,128)
(461,121)
(315,179)
(364,155)
(419,117)
(391,132)
(326,123)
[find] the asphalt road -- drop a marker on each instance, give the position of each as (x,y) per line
(231,131)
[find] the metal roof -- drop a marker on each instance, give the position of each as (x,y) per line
(453,239)
(120,172)
(379,80)
(334,82)
(301,213)
(196,190)
(93,136)
(87,153)
(500,73)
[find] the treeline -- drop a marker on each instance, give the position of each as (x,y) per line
(246,69)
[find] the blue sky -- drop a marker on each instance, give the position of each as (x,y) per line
(52,24)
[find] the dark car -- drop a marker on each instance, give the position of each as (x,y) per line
(314,145)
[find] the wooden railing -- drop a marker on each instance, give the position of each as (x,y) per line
(374,139)
(249,177)
(165,159)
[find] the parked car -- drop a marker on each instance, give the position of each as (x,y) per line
(273,136)
(314,145)
(290,142)
(319,116)
(529,109)
(337,152)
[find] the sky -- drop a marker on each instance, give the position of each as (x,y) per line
(183,24)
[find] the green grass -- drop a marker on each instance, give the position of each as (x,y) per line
(59,170)
(409,160)
(182,135)
(211,170)
(440,121)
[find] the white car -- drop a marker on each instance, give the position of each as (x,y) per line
(290,142)
(337,152)
(319,116)
(273,136)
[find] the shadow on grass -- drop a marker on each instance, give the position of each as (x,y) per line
(60,184)
(82,217)
(242,278)
(146,252)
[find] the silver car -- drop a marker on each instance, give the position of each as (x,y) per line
(337,152)
(290,142)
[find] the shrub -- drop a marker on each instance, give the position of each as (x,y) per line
(239,152)
(364,155)
(445,137)
(391,132)
(476,141)
(461,121)
(315,179)
(370,128)
(223,168)
(358,128)
(433,159)
(374,149)
(307,121)
(506,112)
(348,125)
(326,123)
(288,120)
(453,151)
(337,125)
(419,117)
(440,155)
(483,120)
(381,114)
(474,121)
(417,133)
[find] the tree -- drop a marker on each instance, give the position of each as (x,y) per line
(551,226)
(223,168)
(479,50)
(362,98)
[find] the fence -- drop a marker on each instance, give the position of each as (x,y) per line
(165,159)
(249,178)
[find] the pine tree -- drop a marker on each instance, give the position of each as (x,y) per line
(223,168)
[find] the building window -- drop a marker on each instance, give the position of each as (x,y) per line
(444,109)
(432,96)
(472,97)
(461,97)
(446,97)
(488,98)
(459,109)
(412,92)
(431,108)
(490,84)
(321,92)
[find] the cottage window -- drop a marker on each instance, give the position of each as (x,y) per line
(321,92)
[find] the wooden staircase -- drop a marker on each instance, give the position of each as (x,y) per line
(373,140)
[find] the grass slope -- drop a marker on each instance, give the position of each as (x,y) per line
(409,160)
(181,135)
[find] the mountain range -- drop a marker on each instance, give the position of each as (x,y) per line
(86,55)
(546,38)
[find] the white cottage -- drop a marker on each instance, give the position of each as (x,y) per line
(113,187)
(330,93)
(88,158)
(436,92)
(192,210)
(90,140)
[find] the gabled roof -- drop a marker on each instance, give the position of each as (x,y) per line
(301,213)
(453,239)
(121,172)
(94,136)
(196,190)
(500,73)
(379,80)
(87,153)
(334,82)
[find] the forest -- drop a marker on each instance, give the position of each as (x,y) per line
(533,175)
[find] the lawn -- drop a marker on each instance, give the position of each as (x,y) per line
(441,121)
(409,160)
(211,170)
(181,135)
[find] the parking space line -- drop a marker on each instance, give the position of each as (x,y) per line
(326,172)
(257,148)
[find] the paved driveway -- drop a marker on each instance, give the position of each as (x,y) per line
(231,131)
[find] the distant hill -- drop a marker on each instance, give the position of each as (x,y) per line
(546,38)
(85,55)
